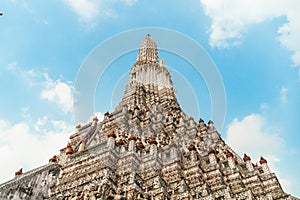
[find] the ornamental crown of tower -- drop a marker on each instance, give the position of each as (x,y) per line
(148,70)
(148,52)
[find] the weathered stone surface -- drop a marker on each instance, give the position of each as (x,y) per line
(34,184)
(147,148)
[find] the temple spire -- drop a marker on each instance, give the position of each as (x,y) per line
(148,70)
(148,52)
(149,79)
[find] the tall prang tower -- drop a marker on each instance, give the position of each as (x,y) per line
(147,148)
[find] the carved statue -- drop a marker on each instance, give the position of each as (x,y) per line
(156,182)
(131,178)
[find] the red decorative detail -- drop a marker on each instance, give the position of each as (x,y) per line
(140,145)
(112,134)
(78,126)
(254,165)
(152,141)
(131,137)
(262,160)
(20,172)
(228,154)
(211,151)
(159,148)
(120,142)
(246,158)
(69,149)
(106,114)
(170,113)
(53,159)
(192,147)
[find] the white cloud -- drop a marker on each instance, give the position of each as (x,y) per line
(31,77)
(283,94)
(264,107)
(40,123)
(230,18)
(58,92)
(129,2)
(85,9)
(55,91)
(251,136)
(89,10)
(12,66)
(22,146)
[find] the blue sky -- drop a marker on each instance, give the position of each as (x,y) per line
(254,44)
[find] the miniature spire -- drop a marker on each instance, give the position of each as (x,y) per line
(162,62)
(246,157)
(78,126)
(53,159)
(69,149)
(228,154)
(131,137)
(262,160)
(20,172)
(200,120)
(192,147)
(112,134)
(140,145)
(210,124)
(82,145)
(120,142)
